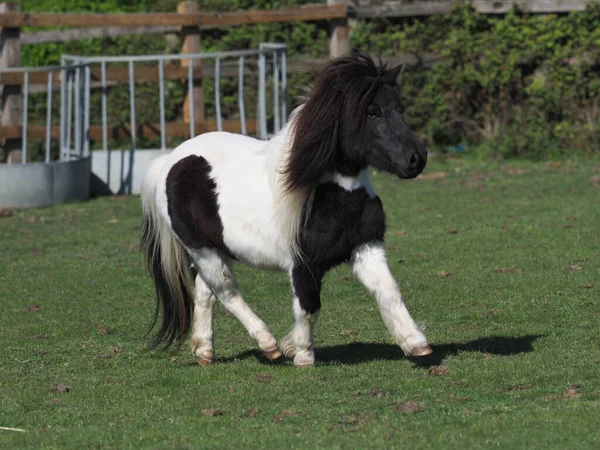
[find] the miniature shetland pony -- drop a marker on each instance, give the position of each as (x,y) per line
(301,202)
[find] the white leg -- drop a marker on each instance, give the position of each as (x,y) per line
(215,271)
(299,342)
(202,328)
(306,286)
(370,266)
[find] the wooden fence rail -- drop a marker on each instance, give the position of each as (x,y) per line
(243,17)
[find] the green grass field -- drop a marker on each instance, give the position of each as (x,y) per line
(502,263)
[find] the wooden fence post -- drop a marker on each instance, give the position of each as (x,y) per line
(12,104)
(190,43)
(340,33)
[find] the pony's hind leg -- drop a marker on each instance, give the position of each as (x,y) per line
(202,327)
(215,270)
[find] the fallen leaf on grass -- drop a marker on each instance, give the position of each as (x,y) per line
(571,392)
(60,389)
(349,333)
(574,267)
(587,286)
(285,413)
(43,352)
(518,171)
(432,176)
(438,370)
(264,378)
(595,182)
(376,392)
(506,270)
(400,233)
(252,412)
(452,231)
(357,420)
(6,212)
(213,412)
(409,407)
(174,359)
(103,330)
(33,308)
(441,274)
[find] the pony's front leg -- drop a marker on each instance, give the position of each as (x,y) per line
(370,266)
(306,286)
(202,328)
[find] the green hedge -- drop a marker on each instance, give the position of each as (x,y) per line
(504,86)
(517,85)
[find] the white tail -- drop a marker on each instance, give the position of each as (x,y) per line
(168,263)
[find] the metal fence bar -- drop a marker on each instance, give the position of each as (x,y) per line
(63,108)
(177,57)
(77,112)
(161,94)
(217,94)
(132,124)
(262,96)
(86,111)
(241,95)
(105,120)
(283,88)
(25,108)
(191,104)
(69,115)
(275,94)
(48,118)
(104,107)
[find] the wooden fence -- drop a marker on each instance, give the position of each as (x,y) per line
(188,22)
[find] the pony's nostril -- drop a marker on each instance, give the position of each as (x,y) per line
(413,163)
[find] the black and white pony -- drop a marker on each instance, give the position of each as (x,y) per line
(301,202)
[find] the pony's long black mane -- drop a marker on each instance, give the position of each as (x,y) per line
(333,114)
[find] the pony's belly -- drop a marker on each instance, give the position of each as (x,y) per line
(257,247)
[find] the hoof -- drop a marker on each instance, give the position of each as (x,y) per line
(421,351)
(272,354)
(303,365)
(304,359)
(204,361)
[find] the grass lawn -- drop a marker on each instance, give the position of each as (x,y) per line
(502,262)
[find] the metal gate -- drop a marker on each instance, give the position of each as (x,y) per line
(120,170)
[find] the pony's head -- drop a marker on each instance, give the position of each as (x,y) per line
(352,119)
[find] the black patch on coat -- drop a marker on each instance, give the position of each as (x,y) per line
(192,204)
(338,223)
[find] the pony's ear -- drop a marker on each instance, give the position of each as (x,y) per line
(316,132)
(391,75)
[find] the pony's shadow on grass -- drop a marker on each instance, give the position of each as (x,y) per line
(360,352)
(357,352)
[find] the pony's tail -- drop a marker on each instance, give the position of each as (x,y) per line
(169,266)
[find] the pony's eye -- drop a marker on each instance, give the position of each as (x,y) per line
(373,111)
